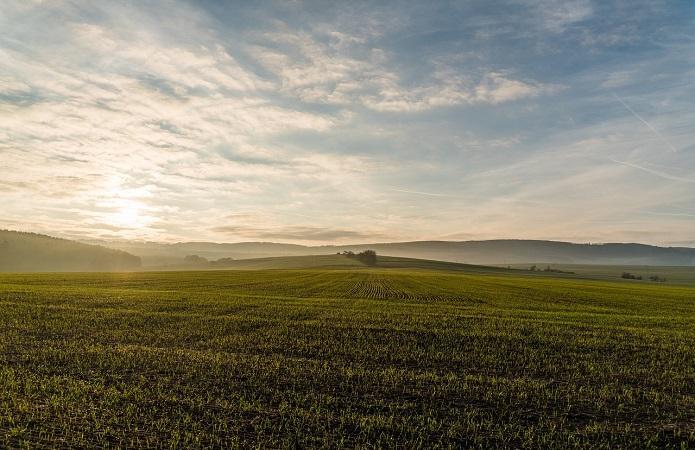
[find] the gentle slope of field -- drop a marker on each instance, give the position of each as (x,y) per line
(336,262)
(666,274)
(379,357)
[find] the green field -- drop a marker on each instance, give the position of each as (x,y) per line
(682,275)
(344,357)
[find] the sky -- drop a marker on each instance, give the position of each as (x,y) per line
(343,122)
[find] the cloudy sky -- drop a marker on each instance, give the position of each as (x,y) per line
(316,122)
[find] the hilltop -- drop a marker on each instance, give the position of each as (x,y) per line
(30,252)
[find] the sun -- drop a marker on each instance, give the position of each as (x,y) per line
(127,217)
(128,214)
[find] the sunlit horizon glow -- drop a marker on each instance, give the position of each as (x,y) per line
(315,123)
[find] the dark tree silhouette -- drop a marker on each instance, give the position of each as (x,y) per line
(629,276)
(367,257)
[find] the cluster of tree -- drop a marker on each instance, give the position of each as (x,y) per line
(195,259)
(202,261)
(367,257)
(657,278)
(629,276)
(534,268)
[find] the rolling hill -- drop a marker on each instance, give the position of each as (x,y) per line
(334,261)
(34,252)
(30,252)
(502,251)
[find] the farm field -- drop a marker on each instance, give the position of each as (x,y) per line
(676,275)
(681,275)
(347,357)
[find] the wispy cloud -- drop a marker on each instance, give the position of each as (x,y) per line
(295,233)
(670,214)
(161,120)
(558,15)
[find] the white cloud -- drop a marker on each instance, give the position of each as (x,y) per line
(451,90)
(321,73)
(618,79)
(557,15)
(495,88)
(204,66)
(10,86)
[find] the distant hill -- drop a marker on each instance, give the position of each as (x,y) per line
(334,261)
(501,251)
(30,252)
(511,251)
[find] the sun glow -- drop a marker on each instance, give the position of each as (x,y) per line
(128,218)
(129,215)
(125,208)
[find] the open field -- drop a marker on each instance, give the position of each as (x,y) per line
(681,275)
(350,357)
(678,275)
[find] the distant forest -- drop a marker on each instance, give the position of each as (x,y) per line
(31,252)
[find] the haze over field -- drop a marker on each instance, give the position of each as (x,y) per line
(472,252)
(34,252)
(340,123)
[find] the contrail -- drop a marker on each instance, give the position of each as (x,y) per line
(658,173)
(670,214)
(431,194)
(638,117)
